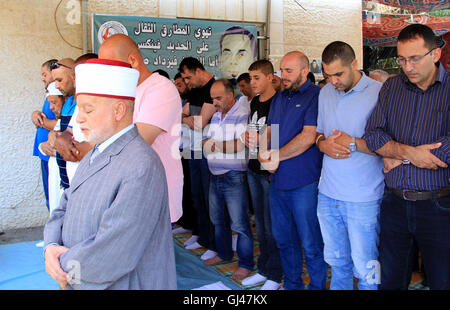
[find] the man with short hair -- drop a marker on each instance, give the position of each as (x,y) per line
(182,87)
(276,82)
(243,81)
(112,228)
(228,193)
(269,262)
(352,182)
(41,131)
(410,124)
(295,163)
(157,114)
(70,142)
(187,222)
(64,75)
(197,114)
(76,142)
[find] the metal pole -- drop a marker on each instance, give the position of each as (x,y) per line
(268,28)
(85,20)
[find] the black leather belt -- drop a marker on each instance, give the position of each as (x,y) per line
(411,195)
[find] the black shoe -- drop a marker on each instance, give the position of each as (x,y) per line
(1,232)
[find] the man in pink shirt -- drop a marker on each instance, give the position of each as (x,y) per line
(157,114)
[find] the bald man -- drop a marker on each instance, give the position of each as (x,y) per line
(295,164)
(157,114)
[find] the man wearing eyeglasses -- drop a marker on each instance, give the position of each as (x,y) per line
(409,127)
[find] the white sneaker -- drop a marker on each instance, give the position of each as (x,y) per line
(234,242)
(40,244)
(180,230)
(191,240)
(208,254)
(253,280)
(193,246)
(270,285)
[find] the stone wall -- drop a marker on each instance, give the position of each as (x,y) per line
(313,25)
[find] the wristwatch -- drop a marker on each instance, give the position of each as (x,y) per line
(352,145)
(405,162)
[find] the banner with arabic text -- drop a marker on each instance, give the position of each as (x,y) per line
(163,42)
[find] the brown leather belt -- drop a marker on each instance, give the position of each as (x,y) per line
(411,195)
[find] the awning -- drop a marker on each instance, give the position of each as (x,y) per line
(423,5)
(383,29)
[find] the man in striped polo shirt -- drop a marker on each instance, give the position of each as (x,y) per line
(228,191)
(410,124)
(64,75)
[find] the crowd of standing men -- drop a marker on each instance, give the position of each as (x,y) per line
(352,175)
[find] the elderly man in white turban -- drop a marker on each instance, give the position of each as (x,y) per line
(56,100)
(112,228)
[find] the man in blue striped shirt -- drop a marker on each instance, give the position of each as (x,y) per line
(409,125)
(64,75)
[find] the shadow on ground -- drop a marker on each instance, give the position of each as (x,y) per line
(22,235)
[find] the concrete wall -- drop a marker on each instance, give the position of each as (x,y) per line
(29,37)
(313,25)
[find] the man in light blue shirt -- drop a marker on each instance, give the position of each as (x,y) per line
(352,182)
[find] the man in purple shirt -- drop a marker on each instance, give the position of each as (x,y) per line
(409,125)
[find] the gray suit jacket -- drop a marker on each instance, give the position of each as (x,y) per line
(114,218)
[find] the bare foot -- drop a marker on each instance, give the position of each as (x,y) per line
(240,274)
(213,261)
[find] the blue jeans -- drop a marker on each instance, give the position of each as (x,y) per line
(44,171)
(427,223)
(200,176)
(295,224)
(350,234)
(228,198)
(269,261)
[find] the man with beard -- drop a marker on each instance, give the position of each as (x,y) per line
(112,229)
(187,221)
(64,75)
(295,166)
(197,115)
(352,183)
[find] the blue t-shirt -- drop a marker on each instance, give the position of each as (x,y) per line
(66,114)
(68,107)
(291,111)
(42,133)
(358,178)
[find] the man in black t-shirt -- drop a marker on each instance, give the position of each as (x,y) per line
(196,115)
(269,262)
